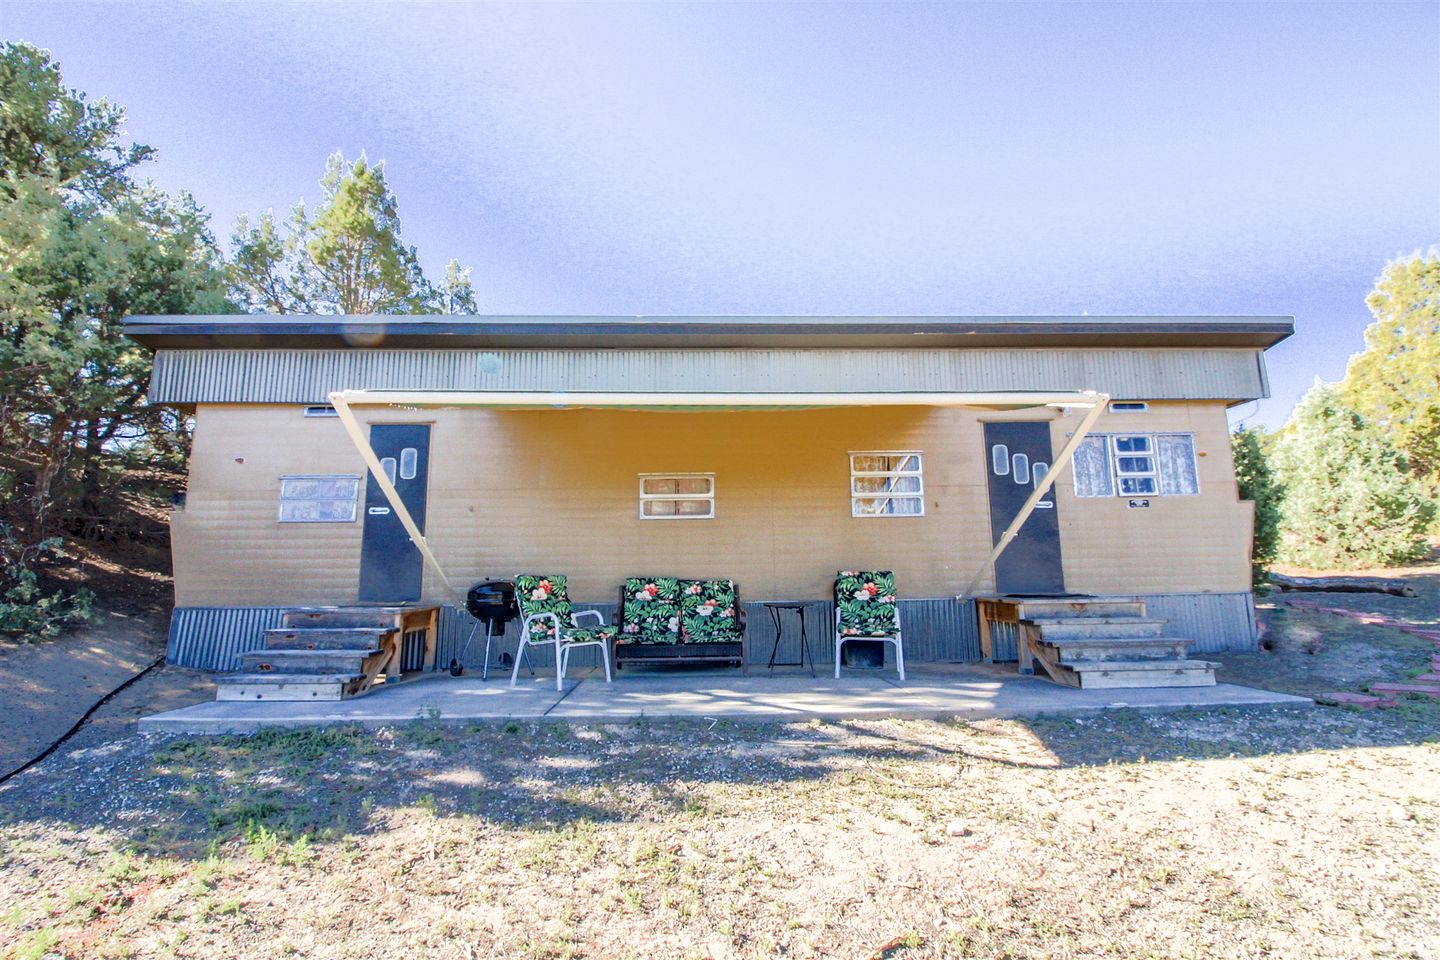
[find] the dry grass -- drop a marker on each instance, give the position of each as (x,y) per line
(1278,833)
(888,838)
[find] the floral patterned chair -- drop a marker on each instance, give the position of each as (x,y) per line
(865,609)
(667,620)
(548,618)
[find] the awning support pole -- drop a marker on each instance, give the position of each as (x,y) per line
(1061,463)
(392,496)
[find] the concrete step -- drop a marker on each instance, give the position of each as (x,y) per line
(287,686)
(388,617)
(1102,674)
(324,638)
(1098,628)
(1061,608)
(341,662)
(1119,648)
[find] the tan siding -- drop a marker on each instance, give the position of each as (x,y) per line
(556,490)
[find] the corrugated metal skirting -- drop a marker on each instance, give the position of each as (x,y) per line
(936,631)
(213,638)
(1215,621)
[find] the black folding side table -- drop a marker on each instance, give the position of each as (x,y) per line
(775,607)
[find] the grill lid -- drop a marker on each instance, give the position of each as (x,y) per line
(492,600)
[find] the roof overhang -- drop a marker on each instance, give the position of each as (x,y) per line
(250,331)
(710,400)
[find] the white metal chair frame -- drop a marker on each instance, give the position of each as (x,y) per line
(562,647)
(899,646)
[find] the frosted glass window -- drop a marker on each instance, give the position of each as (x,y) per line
(886,484)
(1022,468)
(409,462)
(1000,459)
(1090,466)
(1038,471)
(685,496)
(1136,465)
(387,464)
(318,499)
(1176,454)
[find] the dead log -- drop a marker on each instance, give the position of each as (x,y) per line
(1399,588)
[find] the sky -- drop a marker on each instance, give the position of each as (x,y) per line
(752,158)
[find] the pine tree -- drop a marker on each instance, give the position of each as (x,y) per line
(81,247)
(1395,382)
(1350,500)
(346,258)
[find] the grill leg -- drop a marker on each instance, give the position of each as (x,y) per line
(489,632)
(466,648)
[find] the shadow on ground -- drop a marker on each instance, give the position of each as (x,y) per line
(182,796)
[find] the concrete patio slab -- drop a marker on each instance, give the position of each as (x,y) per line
(969,691)
(434,697)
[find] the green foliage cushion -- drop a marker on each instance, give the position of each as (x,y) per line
(865,600)
(651,613)
(543,593)
(547,593)
(589,634)
(708,612)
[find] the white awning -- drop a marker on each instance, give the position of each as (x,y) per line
(707,400)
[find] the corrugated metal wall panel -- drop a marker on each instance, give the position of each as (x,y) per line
(936,631)
(213,638)
(1215,621)
(307,376)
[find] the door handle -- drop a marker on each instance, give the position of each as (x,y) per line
(378,511)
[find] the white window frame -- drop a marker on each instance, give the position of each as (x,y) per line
(1122,473)
(354,500)
(1112,465)
(644,497)
(917,495)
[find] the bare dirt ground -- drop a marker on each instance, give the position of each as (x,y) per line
(1269,833)
(1322,653)
(1293,833)
(46,686)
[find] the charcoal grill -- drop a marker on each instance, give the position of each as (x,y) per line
(491,603)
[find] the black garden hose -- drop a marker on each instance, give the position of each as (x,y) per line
(79,723)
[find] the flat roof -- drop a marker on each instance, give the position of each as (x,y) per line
(448,330)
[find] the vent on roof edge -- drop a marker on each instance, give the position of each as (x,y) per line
(323,410)
(1129,406)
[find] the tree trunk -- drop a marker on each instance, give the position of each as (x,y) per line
(1343,584)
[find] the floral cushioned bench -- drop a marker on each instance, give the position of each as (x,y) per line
(667,620)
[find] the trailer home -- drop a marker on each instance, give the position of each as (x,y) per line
(985,461)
